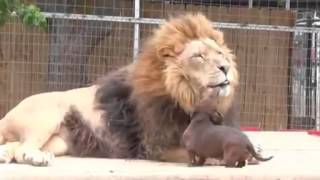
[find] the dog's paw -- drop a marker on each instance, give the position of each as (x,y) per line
(5,154)
(192,165)
(38,158)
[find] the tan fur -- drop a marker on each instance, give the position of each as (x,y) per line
(35,125)
(164,68)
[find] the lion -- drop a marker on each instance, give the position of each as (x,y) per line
(137,111)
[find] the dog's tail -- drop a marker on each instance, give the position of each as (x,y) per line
(256,155)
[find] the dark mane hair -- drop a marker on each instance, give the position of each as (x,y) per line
(119,113)
(121,135)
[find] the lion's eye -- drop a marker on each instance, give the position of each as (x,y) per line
(198,55)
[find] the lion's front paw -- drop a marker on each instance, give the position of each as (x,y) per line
(38,158)
(5,154)
(34,157)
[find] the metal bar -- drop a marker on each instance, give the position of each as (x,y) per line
(157,21)
(136,35)
(317,81)
(287,4)
(309,75)
(250,3)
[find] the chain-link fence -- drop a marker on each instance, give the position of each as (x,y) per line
(276,43)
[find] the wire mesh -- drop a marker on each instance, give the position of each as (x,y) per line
(276,43)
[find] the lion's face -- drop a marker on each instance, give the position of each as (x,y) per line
(207,66)
(201,68)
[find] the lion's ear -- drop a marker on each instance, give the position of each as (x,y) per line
(218,36)
(166,51)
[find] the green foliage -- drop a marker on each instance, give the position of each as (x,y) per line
(281,3)
(4,11)
(29,14)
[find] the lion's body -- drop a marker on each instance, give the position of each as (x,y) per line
(137,111)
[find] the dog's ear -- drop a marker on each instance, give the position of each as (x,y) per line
(193,114)
(216,117)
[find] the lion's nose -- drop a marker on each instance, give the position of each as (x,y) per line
(224,68)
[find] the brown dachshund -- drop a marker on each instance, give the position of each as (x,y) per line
(204,138)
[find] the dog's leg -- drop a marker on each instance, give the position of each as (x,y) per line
(230,157)
(241,164)
(201,161)
(192,157)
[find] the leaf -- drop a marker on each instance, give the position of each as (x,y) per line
(29,14)
(3,18)
(4,6)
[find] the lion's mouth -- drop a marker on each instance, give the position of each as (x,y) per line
(222,84)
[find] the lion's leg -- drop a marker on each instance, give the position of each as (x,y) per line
(2,127)
(34,136)
(29,152)
(6,148)
(56,145)
(1,139)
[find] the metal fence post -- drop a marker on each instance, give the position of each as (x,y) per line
(136,35)
(250,3)
(287,4)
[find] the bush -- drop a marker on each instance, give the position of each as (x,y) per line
(28,13)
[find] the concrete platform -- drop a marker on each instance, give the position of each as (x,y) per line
(296,156)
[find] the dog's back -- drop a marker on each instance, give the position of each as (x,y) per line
(202,138)
(208,140)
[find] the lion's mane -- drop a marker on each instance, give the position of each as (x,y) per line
(147,106)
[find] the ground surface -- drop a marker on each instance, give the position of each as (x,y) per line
(296,156)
